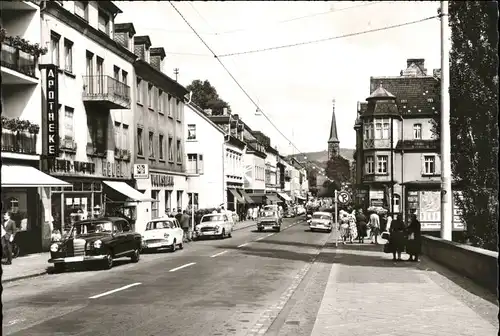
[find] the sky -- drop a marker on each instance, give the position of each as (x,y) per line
(293,86)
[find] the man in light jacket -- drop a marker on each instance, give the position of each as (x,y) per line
(374,227)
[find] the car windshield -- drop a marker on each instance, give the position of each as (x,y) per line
(213,218)
(157,225)
(268,213)
(92,227)
(318,216)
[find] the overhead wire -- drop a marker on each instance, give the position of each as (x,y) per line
(330,38)
(233,78)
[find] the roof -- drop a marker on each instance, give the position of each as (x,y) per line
(415,96)
(157,51)
(333,128)
(125,27)
(143,39)
(381,93)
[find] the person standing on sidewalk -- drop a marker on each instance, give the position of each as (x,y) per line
(374,227)
(414,242)
(397,237)
(10,230)
(361,223)
(185,225)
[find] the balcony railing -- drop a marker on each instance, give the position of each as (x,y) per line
(18,60)
(376,143)
(19,142)
(107,90)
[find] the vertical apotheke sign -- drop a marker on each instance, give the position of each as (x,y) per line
(51,80)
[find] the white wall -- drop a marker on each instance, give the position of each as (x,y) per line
(254,179)
(426,128)
(210,143)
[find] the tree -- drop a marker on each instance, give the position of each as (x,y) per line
(206,96)
(338,170)
(473,116)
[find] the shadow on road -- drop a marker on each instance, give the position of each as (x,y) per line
(297,244)
(88,267)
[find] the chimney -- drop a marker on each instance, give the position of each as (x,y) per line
(141,47)
(156,56)
(420,62)
(208,111)
(124,32)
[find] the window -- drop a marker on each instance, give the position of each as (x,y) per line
(68,55)
(417,131)
(140,142)
(170,149)
(116,73)
(118,131)
(100,74)
(191,132)
(124,77)
(179,199)
(54,47)
(97,125)
(69,122)
(125,136)
(382,164)
(378,130)
(90,65)
(178,112)
(81,9)
(369,165)
(168,200)
(191,164)
(160,147)
(179,151)
(151,145)
(429,164)
(154,205)
(139,90)
(150,96)
(171,105)
(103,23)
(385,130)
(369,131)
(200,164)
(159,105)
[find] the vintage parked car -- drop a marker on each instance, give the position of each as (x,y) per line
(269,219)
(290,212)
(321,221)
(215,225)
(96,240)
(163,233)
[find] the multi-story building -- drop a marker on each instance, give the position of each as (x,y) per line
(159,134)
(205,153)
(23,184)
(299,188)
(87,111)
(398,157)
(235,197)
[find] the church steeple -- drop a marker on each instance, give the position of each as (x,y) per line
(333,141)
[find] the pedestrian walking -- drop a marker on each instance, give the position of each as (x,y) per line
(185,225)
(374,227)
(414,241)
(353,231)
(361,226)
(344,225)
(9,226)
(397,238)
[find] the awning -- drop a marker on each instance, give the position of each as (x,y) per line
(21,176)
(300,197)
(246,196)
(126,190)
(237,195)
(273,198)
(285,197)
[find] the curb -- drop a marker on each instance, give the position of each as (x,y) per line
(22,277)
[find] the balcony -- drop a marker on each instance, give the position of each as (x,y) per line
(30,5)
(376,143)
(106,91)
(19,136)
(18,67)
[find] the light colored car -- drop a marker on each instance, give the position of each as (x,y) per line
(163,233)
(321,221)
(269,219)
(215,225)
(273,207)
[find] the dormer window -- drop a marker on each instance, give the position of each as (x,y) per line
(430,100)
(81,9)
(103,24)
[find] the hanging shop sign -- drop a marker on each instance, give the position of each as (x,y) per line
(52,89)
(162,180)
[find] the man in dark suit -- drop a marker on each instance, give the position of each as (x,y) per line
(10,230)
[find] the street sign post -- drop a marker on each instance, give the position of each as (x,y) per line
(336,221)
(343,197)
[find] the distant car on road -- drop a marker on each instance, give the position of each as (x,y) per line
(269,219)
(321,221)
(163,233)
(215,225)
(96,240)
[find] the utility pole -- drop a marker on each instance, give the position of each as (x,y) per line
(445,138)
(176,73)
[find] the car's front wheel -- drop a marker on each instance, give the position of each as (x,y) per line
(136,255)
(223,234)
(173,247)
(108,261)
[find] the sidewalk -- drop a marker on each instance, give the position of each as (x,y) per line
(367,293)
(26,267)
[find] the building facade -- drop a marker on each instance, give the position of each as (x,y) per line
(398,158)
(88,143)
(159,135)
(205,159)
(24,185)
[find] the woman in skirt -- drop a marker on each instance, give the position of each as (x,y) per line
(353,230)
(344,225)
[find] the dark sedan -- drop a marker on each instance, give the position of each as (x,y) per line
(97,240)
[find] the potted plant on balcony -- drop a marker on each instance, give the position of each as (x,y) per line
(126,155)
(22,44)
(118,153)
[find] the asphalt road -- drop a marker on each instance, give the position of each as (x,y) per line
(236,286)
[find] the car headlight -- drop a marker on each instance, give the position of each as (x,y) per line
(166,235)
(98,244)
(217,227)
(54,247)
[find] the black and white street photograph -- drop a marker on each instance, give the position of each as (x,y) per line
(249,168)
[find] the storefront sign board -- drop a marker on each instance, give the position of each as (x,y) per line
(52,101)
(162,180)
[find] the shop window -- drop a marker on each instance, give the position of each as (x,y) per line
(155,205)
(179,199)
(168,201)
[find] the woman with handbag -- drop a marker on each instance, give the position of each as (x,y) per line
(397,237)
(361,226)
(413,245)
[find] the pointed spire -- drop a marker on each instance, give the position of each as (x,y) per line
(381,93)
(333,128)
